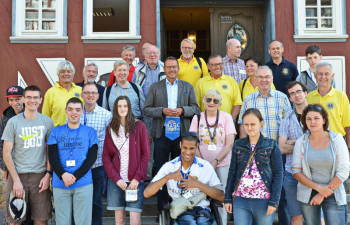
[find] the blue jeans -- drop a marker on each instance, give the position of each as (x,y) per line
(333,213)
(197,215)
(248,211)
(79,199)
(98,179)
(290,188)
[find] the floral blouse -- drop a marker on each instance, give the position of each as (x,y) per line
(225,127)
(251,185)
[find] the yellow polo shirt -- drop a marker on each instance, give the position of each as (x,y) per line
(55,101)
(191,72)
(227,87)
(337,105)
(248,88)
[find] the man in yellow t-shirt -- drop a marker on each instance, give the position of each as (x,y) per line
(334,101)
(191,68)
(226,85)
(57,96)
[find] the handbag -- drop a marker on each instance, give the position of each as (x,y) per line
(250,159)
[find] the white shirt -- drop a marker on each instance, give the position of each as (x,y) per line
(200,169)
(172,92)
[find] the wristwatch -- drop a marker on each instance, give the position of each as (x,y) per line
(49,172)
(217,161)
(234,120)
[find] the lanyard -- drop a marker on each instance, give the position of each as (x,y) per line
(24,116)
(85,117)
(184,175)
(118,92)
(215,125)
(69,145)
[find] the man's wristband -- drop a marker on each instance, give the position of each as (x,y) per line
(49,172)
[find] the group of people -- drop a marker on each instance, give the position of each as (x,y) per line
(174,124)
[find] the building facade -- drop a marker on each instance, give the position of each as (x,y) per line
(37,34)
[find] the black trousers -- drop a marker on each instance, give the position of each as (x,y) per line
(163,148)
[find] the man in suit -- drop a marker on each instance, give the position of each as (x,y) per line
(171,103)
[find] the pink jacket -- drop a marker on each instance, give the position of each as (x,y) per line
(139,153)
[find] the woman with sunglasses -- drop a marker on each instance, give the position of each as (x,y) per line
(321,165)
(216,133)
(254,181)
(250,84)
(125,157)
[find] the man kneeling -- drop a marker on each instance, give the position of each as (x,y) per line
(189,180)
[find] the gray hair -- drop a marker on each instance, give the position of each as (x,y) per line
(228,42)
(323,64)
(120,63)
(212,92)
(152,46)
(263,68)
(91,64)
(129,47)
(188,41)
(65,64)
(277,41)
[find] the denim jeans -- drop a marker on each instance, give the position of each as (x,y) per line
(197,215)
(222,173)
(333,213)
(98,179)
(79,199)
(248,211)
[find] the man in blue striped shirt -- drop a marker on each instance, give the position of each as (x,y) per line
(98,118)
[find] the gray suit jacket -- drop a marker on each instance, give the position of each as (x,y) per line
(157,99)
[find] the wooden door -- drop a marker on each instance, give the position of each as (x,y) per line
(245,23)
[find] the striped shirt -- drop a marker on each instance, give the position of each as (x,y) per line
(274,108)
(99,119)
(234,69)
(290,128)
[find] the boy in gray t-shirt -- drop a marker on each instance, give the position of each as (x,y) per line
(25,156)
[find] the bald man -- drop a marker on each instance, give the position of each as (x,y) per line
(233,65)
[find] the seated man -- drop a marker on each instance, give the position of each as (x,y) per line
(191,178)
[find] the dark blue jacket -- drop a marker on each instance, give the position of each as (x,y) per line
(268,159)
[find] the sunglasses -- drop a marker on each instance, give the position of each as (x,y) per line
(186,134)
(314,107)
(215,101)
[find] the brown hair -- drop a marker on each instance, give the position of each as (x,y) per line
(314,108)
(116,120)
(253,111)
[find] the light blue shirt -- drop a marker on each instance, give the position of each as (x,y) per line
(172,92)
(151,78)
(99,119)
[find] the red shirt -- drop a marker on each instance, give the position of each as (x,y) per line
(112,77)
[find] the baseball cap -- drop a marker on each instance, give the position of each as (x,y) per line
(14,91)
(17,207)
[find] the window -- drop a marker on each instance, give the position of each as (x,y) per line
(323,20)
(39,21)
(111,21)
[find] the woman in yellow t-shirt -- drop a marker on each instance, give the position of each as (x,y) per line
(250,85)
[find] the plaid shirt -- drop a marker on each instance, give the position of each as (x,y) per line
(234,69)
(273,109)
(290,128)
(99,119)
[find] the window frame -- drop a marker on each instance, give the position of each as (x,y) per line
(20,35)
(132,36)
(335,34)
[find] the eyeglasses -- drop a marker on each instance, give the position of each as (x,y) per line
(90,93)
(187,48)
(298,92)
(263,78)
(215,101)
(171,67)
(36,98)
(186,134)
(215,65)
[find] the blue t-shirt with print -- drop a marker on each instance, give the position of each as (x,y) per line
(72,144)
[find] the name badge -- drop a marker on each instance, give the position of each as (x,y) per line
(242,72)
(130,195)
(70,163)
(247,181)
(211,147)
(187,195)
